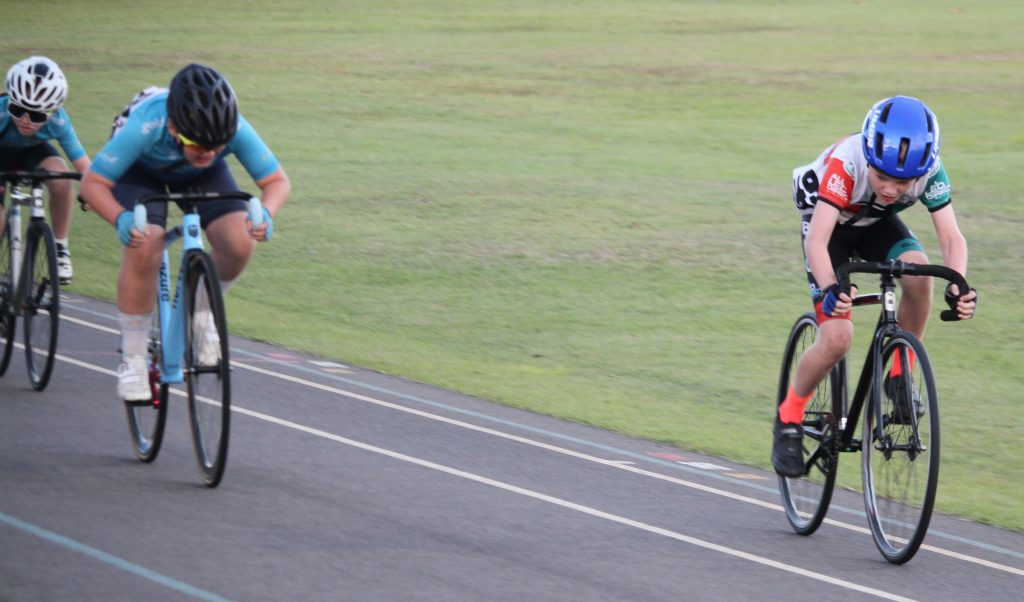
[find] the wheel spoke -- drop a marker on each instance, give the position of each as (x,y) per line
(207,368)
(900,465)
(806,498)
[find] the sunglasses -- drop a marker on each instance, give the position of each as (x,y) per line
(18,111)
(187,142)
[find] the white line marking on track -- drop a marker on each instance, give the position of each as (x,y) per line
(537,495)
(534,443)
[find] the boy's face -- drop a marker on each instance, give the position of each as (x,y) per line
(886,187)
(196,155)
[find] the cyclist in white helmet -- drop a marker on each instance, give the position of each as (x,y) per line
(31,115)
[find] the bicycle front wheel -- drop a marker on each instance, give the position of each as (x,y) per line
(901,449)
(146,419)
(208,372)
(7,285)
(806,498)
(41,309)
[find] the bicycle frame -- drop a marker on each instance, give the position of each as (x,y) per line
(13,219)
(172,309)
(887,326)
(850,410)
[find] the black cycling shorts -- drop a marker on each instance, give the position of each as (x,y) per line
(26,158)
(886,239)
(138,182)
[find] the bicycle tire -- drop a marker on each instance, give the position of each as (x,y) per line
(8,319)
(41,307)
(208,371)
(806,499)
(147,419)
(900,457)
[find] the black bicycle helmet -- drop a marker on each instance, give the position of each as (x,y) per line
(203,106)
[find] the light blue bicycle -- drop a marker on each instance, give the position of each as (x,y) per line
(188,341)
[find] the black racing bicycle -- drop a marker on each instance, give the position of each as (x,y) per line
(899,440)
(29,287)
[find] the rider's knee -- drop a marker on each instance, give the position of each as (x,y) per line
(837,338)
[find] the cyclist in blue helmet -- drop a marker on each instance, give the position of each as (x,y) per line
(849,200)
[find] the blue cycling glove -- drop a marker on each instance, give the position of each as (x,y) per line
(125,224)
(828,304)
(269,221)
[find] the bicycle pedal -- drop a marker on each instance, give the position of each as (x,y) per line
(139,403)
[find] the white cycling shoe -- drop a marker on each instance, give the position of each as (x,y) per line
(64,270)
(133,379)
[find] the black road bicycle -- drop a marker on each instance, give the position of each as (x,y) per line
(899,440)
(28,273)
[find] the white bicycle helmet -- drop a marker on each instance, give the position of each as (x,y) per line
(37,83)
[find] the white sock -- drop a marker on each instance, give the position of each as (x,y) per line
(225,285)
(61,241)
(134,333)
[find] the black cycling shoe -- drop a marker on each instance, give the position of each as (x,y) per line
(905,399)
(788,449)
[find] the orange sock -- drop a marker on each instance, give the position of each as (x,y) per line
(791,410)
(897,365)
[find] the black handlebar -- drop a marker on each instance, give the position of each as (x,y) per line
(895,269)
(38,175)
(193,197)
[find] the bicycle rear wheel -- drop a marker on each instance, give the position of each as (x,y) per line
(806,498)
(146,419)
(41,310)
(208,372)
(901,449)
(8,320)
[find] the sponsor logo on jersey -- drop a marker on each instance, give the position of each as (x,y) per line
(938,189)
(112,159)
(152,124)
(837,186)
(849,167)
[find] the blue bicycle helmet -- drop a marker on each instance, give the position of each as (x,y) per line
(901,137)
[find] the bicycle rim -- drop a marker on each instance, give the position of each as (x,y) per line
(7,318)
(207,367)
(146,419)
(806,498)
(42,304)
(901,461)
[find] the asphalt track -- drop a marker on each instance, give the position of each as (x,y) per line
(345,484)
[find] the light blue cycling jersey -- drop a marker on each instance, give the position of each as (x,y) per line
(58,127)
(143,138)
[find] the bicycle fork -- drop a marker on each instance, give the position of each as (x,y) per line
(14,225)
(13,221)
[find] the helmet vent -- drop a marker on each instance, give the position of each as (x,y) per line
(885,113)
(926,155)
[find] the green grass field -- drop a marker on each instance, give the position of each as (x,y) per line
(582,208)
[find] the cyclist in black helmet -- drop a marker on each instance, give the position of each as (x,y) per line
(176,140)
